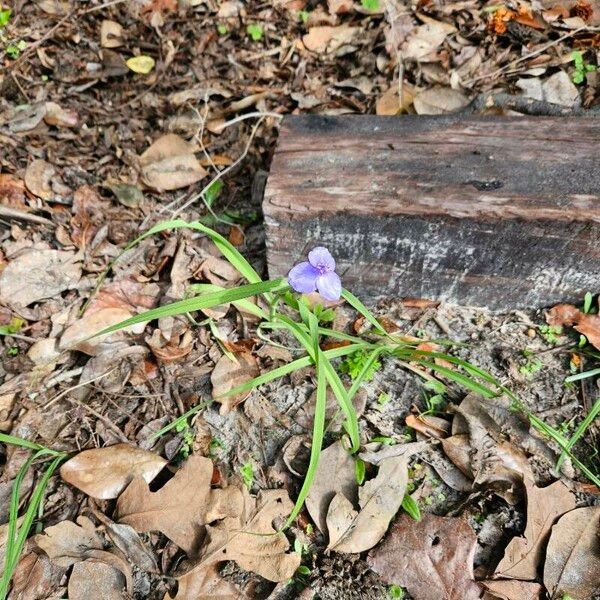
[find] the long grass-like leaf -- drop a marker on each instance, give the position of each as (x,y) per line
(578,433)
(363,310)
(192,304)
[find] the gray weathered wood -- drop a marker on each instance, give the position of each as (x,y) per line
(482,211)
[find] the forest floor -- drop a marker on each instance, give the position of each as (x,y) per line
(115,116)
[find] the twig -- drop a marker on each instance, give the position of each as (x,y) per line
(14,213)
(75,387)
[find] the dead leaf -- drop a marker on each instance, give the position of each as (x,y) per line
(95,579)
(389,102)
(514,590)
(439,100)
(235,538)
(104,473)
(335,474)
(205,584)
(523,555)
(127,540)
(559,89)
(36,577)
(78,335)
(573,555)
(325,39)
(38,274)
(111,34)
(38,179)
(169,164)
(68,543)
(432,558)
(567,315)
(228,374)
(379,500)
(340,7)
(429,425)
(181,507)
(425,39)
(57,116)
(12,192)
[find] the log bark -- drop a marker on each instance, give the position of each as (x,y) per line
(485,211)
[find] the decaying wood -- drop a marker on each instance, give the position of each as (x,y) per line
(483,211)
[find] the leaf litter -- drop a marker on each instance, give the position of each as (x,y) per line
(100,153)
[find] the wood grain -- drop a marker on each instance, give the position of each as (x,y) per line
(483,211)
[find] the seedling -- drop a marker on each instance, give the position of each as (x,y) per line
(359,471)
(355,363)
(395,592)
(187,441)
(383,398)
(222,29)
(303,16)
(14,50)
(385,440)
(5,14)
(587,302)
(550,333)
(14,326)
(531,367)
(247,473)
(372,5)
(411,508)
(581,67)
(255,31)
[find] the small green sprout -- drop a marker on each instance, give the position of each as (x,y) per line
(188,438)
(531,367)
(14,50)
(12,351)
(581,67)
(383,439)
(587,302)
(247,473)
(5,14)
(325,315)
(255,31)
(14,326)
(216,446)
(354,364)
(213,192)
(383,398)
(411,508)
(303,570)
(222,30)
(303,16)
(551,332)
(370,4)
(395,592)
(359,471)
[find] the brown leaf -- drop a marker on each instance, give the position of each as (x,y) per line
(104,473)
(523,555)
(389,102)
(425,39)
(573,555)
(325,39)
(38,179)
(12,192)
(58,116)
(514,590)
(228,374)
(439,100)
(568,315)
(111,34)
(127,540)
(169,164)
(36,577)
(205,584)
(429,426)
(38,274)
(338,7)
(94,579)
(433,558)
(335,474)
(235,538)
(181,507)
(379,500)
(68,543)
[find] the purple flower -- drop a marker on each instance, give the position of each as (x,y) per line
(318,273)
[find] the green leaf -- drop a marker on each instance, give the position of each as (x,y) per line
(587,302)
(255,31)
(359,471)
(141,64)
(247,473)
(411,508)
(213,192)
(5,16)
(222,29)
(303,15)
(370,4)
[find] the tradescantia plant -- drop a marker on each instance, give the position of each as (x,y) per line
(283,307)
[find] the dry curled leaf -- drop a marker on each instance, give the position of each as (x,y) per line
(425,39)
(169,164)
(513,590)
(573,555)
(523,555)
(104,473)
(228,374)
(335,474)
(38,179)
(379,500)
(439,100)
(111,34)
(432,559)
(567,315)
(38,274)
(325,39)
(181,507)
(249,538)
(205,584)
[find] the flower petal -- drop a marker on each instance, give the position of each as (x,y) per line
(321,257)
(329,286)
(303,278)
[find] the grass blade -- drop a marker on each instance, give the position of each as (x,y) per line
(578,433)
(363,310)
